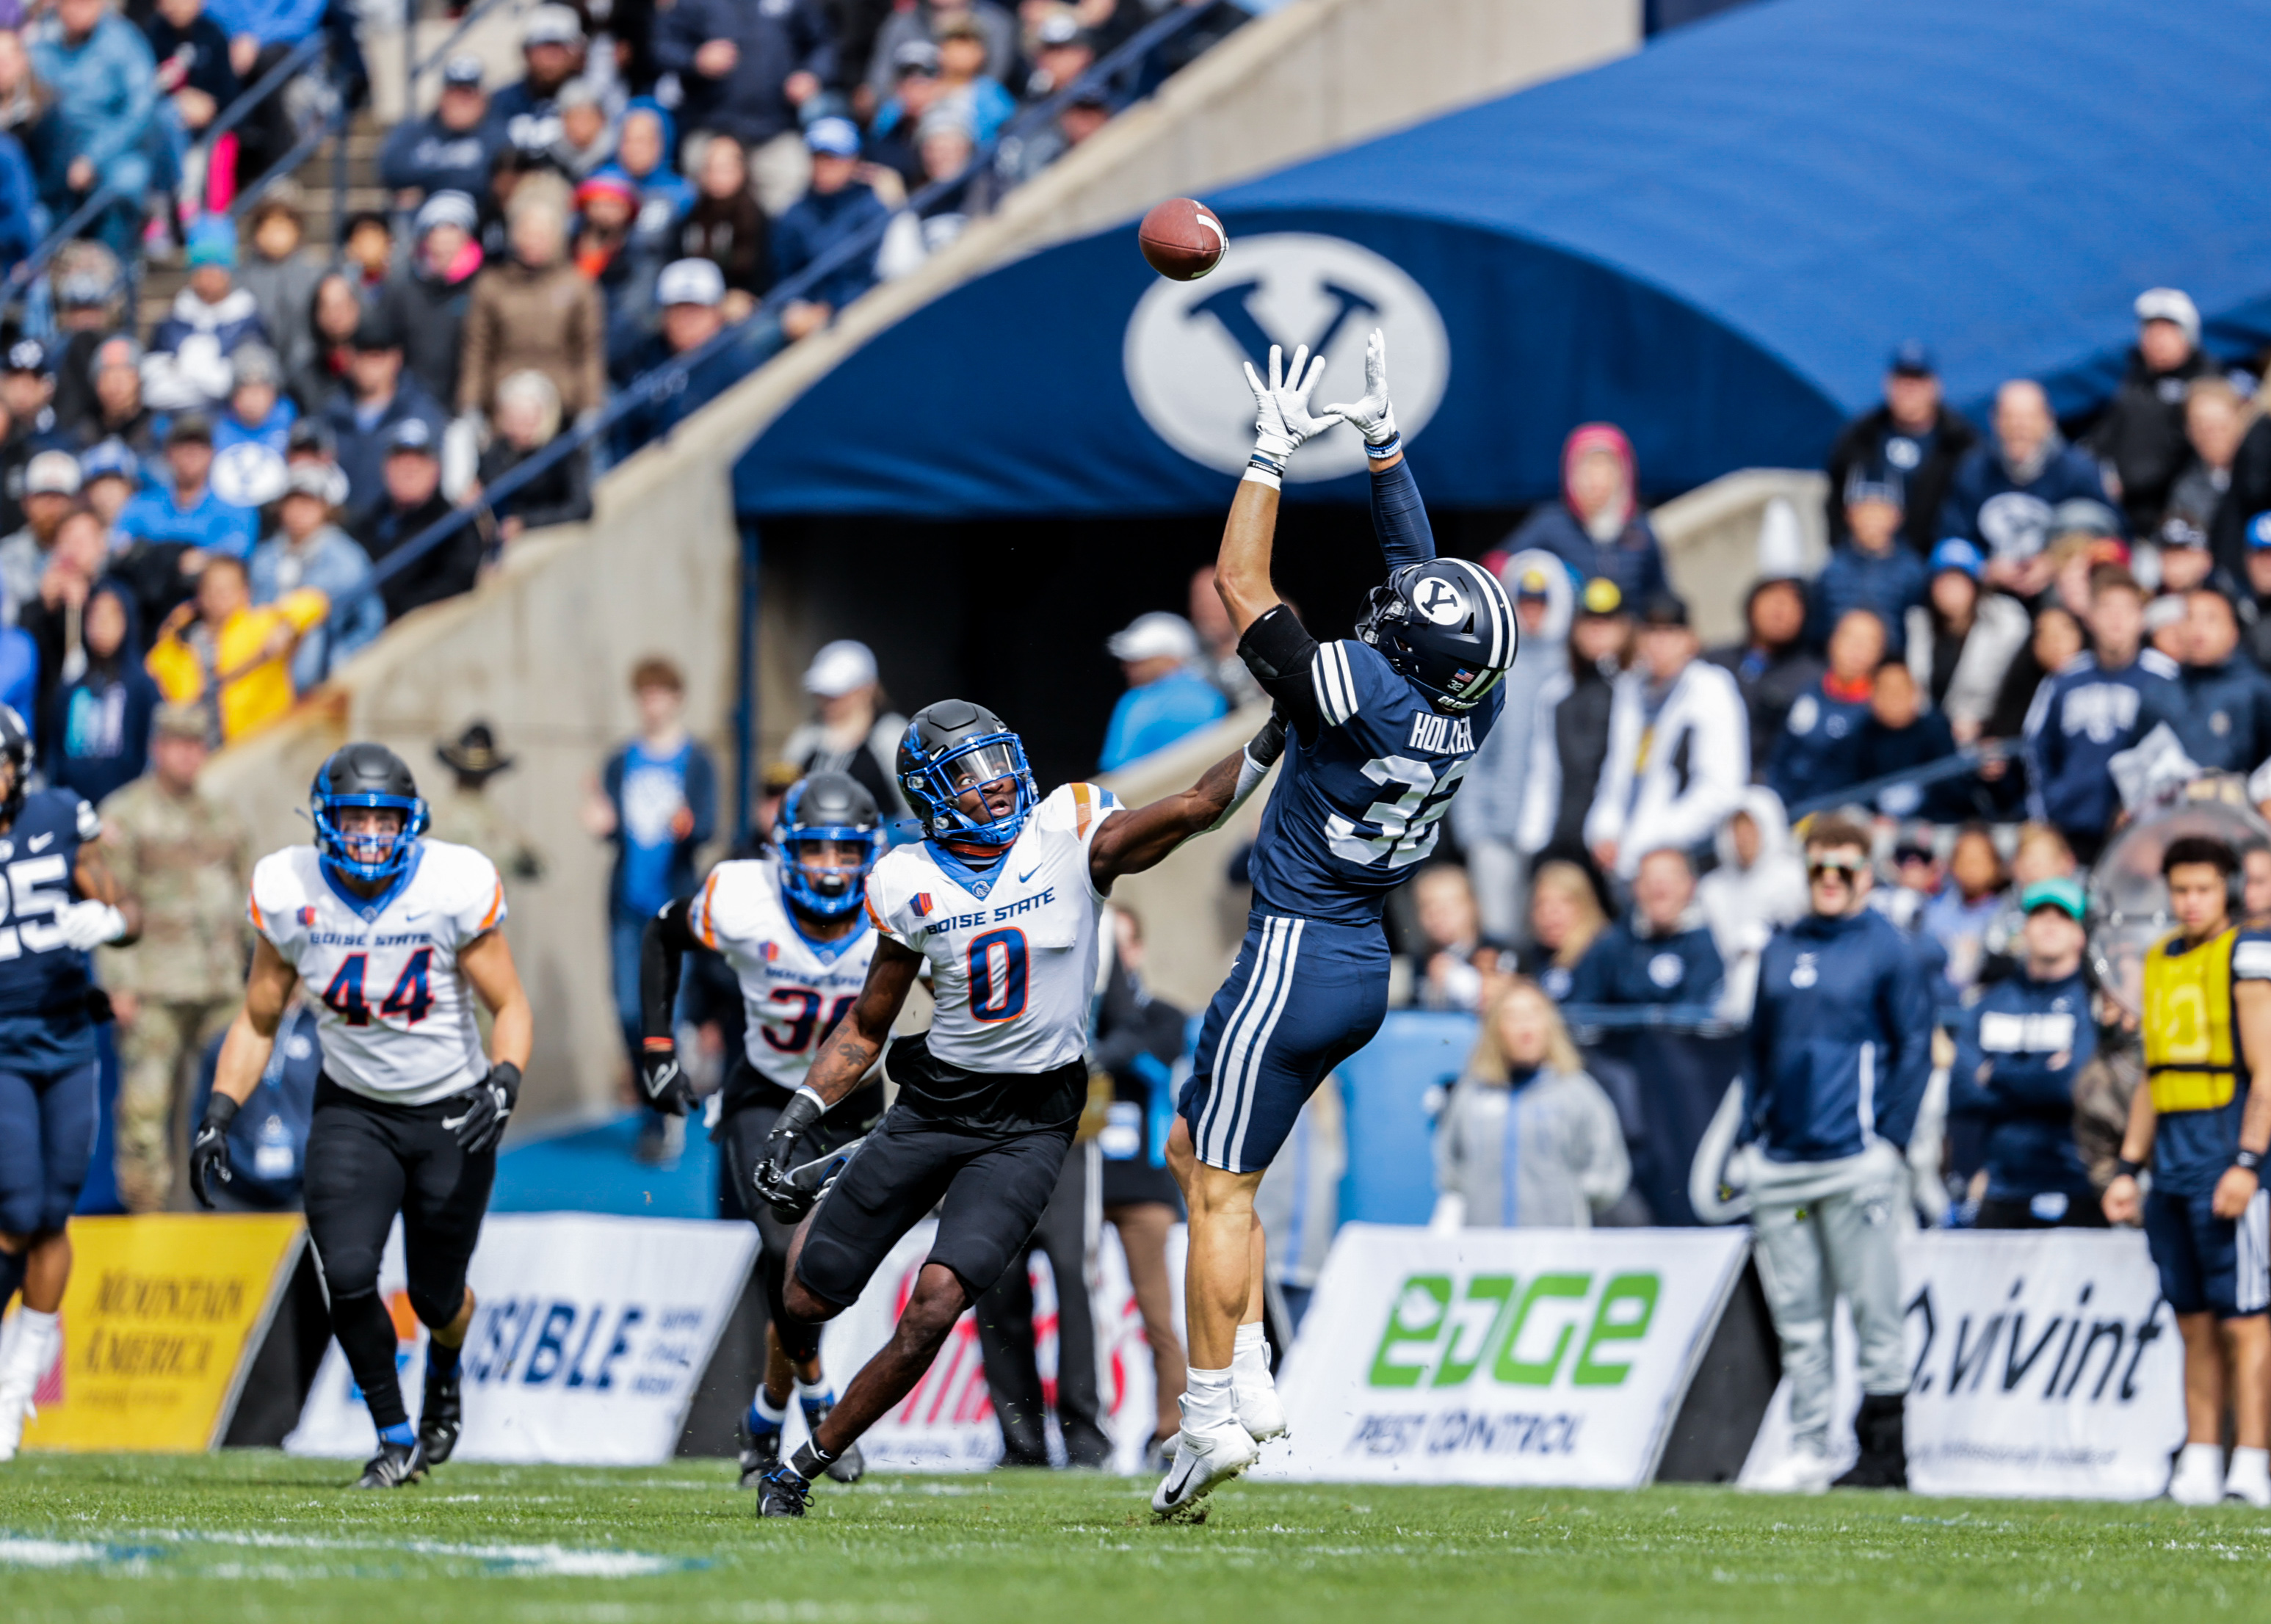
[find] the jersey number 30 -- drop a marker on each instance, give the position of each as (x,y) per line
(1405,815)
(411,997)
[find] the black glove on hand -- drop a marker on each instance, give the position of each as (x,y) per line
(771,1179)
(209,1150)
(667,1089)
(488,1107)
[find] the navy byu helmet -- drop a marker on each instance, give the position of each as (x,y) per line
(953,746)
(828,806)
(365,775)
(16,750)
(1447,626)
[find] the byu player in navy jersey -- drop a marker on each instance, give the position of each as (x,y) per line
(1381,729)
(56,901)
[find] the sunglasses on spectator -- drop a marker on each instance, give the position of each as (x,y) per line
(1829,868)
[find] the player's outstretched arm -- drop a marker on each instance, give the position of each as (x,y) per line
(244,1054)
(668,936)
(1139,837)
(1282,421)
(1399,519)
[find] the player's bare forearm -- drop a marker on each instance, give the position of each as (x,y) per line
(97,883)
(251,1037)
(1241,569)
(2252,1000)
(488,963)
(2144,1122)
(1139,837)
(848,1053)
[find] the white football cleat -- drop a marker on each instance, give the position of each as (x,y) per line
(2198,1478)
(1203,1459)
(1259,1411)
(1801,1471)
(15,1409)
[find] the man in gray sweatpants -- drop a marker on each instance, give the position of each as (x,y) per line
(1840,1052)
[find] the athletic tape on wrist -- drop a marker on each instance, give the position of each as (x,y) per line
(1262,473)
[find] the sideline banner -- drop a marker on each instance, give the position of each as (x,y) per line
(2042,1364)
(947,1423)
(161,1321)
(1502,1356)
(588,1340)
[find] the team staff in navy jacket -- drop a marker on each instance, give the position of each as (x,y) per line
(1840,1051)
(1662,952)
(2016,1057)
(2097,707)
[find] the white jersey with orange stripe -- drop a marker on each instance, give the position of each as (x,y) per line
(794,988)
(1012,946)
(396,1013)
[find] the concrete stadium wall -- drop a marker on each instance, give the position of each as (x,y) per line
(542,649)
(1711,540)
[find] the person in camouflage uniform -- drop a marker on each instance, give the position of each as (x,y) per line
(464,813)
(187,860)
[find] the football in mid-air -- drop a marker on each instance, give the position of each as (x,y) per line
(1182,239)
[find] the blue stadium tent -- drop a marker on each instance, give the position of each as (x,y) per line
(1714,243)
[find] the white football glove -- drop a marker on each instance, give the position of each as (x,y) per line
(1281,408)
(1372,417)
(90,924)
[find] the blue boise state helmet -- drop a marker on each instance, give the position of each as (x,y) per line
(951,747)
(365,775)
(828,806)
(1447,626)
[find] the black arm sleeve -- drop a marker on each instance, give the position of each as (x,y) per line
(666,937)
(1281,653)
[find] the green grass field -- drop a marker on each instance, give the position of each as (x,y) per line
(120,1539)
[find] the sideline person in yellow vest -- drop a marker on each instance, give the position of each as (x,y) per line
(2207,1031)
(228,658)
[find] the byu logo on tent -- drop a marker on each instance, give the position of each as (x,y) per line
(1186,340)
(1441,601)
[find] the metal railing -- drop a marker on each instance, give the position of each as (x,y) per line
(1963,763)
(1121,64)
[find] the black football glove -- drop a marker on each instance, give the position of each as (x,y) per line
(488,1107)
(667,1090)
(209,1150)
(770,1180)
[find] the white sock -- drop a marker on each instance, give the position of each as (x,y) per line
(2196,1454)
(1249,1356)
(1208,1402)
(2249,1466)
(34,1348)
(767,1408)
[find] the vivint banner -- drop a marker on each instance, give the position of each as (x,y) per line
(1502,1356)
(2041,1364)
(590,1337)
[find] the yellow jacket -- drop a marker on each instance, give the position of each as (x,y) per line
(254,691)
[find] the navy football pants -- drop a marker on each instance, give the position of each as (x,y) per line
(47,1142)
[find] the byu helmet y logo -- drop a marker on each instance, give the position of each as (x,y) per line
(1441,601)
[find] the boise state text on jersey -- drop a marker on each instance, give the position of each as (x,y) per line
(1355,808)
(397,1013)
(1013,950)
(794,988)
(44,985)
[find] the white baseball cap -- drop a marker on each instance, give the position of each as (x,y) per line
(840,668)
(51,474)
(690,281)
(553,25)
(2170,304)
(1153,636)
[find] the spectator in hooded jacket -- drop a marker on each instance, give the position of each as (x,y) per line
(19,226)
(99,70)
(426,299)
(2143,433)
(97,733)
(1819,750)
(451,148)
(2004,489)
(1679,748)
(1486,817)
(1570,739)
(534,309)
(838,208)
(1527,1138)
(1870,569)
(210,320)
(2224,721)
(2018,1051)
(1663,951)
(1758,887)
(380,397)
(644,141)
(1914,435)
(1834,1076)
(2102,703)
(1963,640)
(746,70)
(1598,528)
(1774,664)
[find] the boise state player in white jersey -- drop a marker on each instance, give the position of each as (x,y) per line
(56,901)
(1000,901)
(793,929)
(395,935)
(1381,729)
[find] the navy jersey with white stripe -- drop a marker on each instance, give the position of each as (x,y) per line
(43,980)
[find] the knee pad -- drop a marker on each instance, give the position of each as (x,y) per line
(353,1272)
(436,1308)
(23,1212)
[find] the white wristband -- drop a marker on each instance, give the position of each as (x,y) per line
(1262,476)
